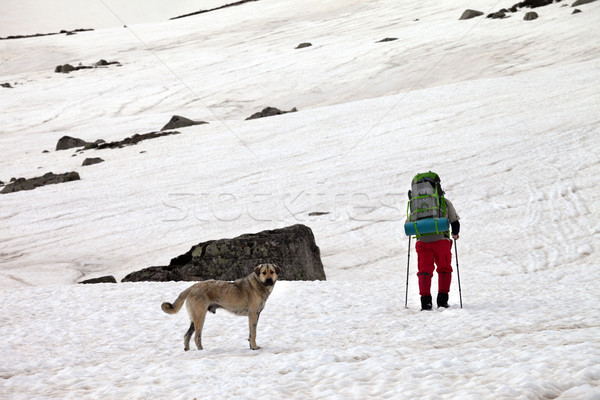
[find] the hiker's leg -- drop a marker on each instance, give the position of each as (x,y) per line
(425,264)
(443,260)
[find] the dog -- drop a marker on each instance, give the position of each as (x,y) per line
(244,297)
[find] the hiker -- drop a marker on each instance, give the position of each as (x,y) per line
(433,248)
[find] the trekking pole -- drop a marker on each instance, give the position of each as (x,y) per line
(407,266)
(458,273)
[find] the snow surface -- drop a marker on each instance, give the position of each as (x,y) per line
(506,111)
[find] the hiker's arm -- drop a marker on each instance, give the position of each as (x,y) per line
(455,229)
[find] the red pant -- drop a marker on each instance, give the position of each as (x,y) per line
(439,252)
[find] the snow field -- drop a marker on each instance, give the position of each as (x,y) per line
(505,111)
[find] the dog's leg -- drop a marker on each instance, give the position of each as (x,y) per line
(187,337)
(199,323)
(253,322)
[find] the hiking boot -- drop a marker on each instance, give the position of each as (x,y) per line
(426,303)
(442,300)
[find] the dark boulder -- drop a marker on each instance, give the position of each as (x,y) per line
(318,213)
(177,122)
(292,248)
(92,161)
(387,39)
(94,145)
(64,69)
(68,142)
(102,279)
(581,2)
(497,15)
(104,63)
(17,185)
(534,3)
(303,45)
(269,112)
(468,14)
(530,16)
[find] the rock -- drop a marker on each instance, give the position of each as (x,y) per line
(497,15)
(17,185)
(1,183)
(387,39)
(303,45)
(104,63)
(318,213)
(237,3)
(44,34)
(102,279)
(92,161)
(576,11)
(94,145)
(534,3)
(177,122)
(530,16)
(68,142)
(6,85)
(269,112)
(64,69)
(581,2)
(133,140)
(468,14)
(292,248)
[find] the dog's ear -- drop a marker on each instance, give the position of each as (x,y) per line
(257,270)
(277,269)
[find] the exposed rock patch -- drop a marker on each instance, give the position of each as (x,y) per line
(581,2)
(68,142)
(93,145)
(237,3)
(318,213)
(102,279)
(525,4)
(65,32)
(92,161)
(66,68)
(387,39)
(269,112)
(498,14)
(468,14)
(133,140)
(50,178)
(303,45)
(177,122)
(292,248)
(530,16)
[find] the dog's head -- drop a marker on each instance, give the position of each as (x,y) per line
(267,273)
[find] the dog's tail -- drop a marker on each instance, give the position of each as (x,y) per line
(176,306)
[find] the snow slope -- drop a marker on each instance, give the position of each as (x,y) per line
(505,111)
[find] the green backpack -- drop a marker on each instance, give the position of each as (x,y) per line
(426,200)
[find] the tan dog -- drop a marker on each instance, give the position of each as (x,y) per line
(245,296)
